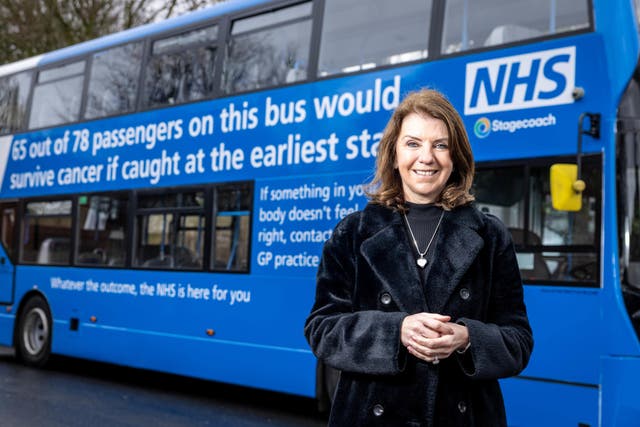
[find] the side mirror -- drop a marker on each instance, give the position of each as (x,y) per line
(566,188)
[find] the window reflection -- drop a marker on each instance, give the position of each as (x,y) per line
(258,58)
(472,24)
(350,40)
(61,72)
(113,83)
(206,35)
(181,68)
(14,93)
(56,102)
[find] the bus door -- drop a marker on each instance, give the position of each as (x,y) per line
(8,215)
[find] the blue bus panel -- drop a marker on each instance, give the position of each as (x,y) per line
(309,150)
(510,96)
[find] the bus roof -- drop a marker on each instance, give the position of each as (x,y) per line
(16,67)
(140,32)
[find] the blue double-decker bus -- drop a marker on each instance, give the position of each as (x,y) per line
(165,192)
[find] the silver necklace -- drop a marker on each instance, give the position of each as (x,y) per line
(422,261)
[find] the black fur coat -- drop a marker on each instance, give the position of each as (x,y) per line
(368,282)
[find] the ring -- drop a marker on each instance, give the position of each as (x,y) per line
(435,360)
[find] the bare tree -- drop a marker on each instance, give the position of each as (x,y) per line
(31,27)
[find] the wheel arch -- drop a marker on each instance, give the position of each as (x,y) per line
(20,312)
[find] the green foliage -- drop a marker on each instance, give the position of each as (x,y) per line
(32,27)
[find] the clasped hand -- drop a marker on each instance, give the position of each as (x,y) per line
(432,337)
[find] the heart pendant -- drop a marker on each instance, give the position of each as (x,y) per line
(421,262)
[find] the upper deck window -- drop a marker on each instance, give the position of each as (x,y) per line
(363,34)
(113,82)
(474,24)
(14,93)
(181,68)
(58,95)
(268,49)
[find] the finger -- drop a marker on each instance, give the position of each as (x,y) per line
(420,354)
(419,346)
(412,350)
(436,316)
(425,332)
(427,357)
(440,327)
(442,346)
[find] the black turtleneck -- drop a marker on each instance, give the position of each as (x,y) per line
(423,219)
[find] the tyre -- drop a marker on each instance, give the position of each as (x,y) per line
(33,335)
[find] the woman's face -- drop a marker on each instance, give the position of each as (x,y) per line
(423,158)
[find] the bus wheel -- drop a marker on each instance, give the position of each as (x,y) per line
(33,336)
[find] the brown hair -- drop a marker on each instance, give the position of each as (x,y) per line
(386,188)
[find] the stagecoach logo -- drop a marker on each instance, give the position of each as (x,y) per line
(517,82)
(482,128)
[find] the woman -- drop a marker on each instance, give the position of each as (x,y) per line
(419,301)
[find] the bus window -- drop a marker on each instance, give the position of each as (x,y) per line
(507,204)
(14,93)
(170,230)
(57,95)
(351,40)
(473,24)
(231,237)
(551,245)
(181,68)
(7,226)
(113,81)
(102,230)
(45,232)
(268,49)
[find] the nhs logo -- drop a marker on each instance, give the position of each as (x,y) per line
(521,81)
